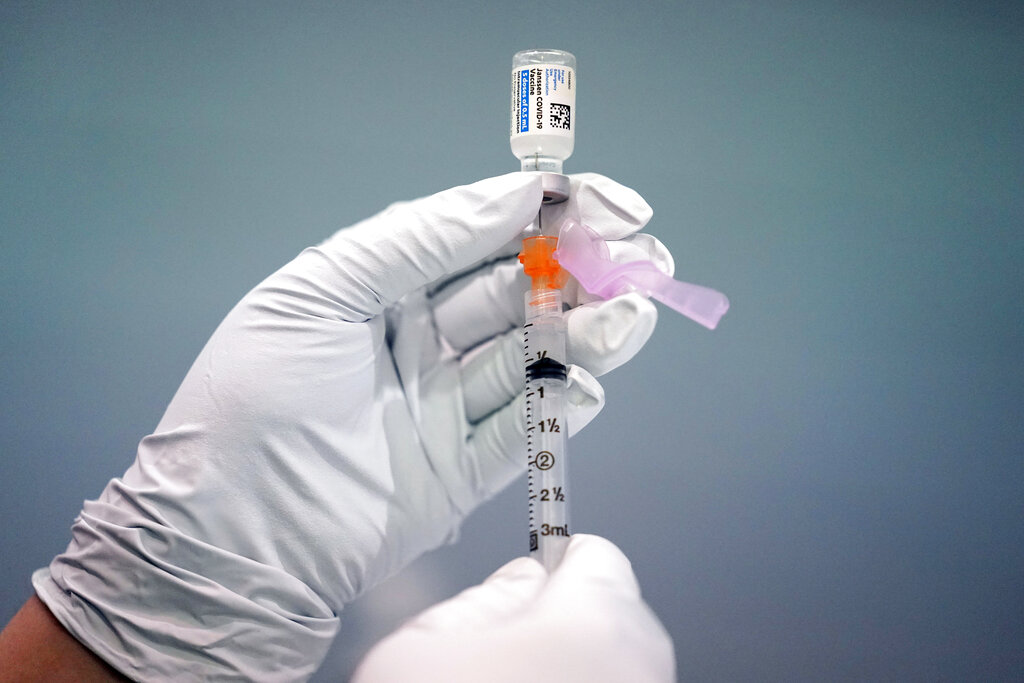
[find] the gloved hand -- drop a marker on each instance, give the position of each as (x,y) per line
(585,623)
(344,418)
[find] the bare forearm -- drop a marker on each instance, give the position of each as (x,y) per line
(34,646)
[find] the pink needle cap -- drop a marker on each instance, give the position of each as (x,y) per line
(584,253)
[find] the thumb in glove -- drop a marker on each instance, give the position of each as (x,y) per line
(584,622)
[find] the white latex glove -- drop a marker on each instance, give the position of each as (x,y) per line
(344,418)
(586,624)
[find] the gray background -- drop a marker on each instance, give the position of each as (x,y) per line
(827,487)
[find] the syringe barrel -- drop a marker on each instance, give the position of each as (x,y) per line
(547,429)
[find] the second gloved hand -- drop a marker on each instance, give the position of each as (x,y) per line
(586,623)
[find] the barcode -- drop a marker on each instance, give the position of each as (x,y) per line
(560,116)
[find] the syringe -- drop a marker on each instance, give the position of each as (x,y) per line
(546,427)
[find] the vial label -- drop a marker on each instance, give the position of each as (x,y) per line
(543,101)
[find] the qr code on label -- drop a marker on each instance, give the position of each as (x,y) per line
(560,116)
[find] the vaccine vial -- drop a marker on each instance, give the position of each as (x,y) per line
(543,111)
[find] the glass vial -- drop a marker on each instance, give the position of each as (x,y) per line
(543,108)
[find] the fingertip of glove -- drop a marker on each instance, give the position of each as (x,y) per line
(585,397)
(643,246)
(610,208)
(507,203)
(583,387)
(643,316)
(517,189)
(605,334)
(596,560)
(514,180)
